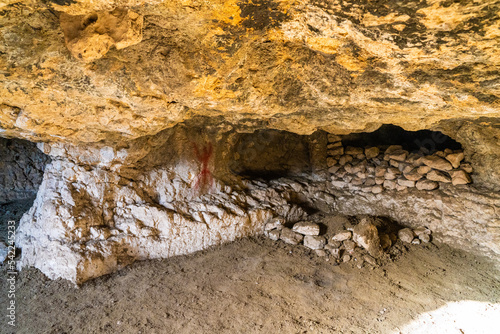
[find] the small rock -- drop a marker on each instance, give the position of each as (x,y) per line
(335,253)
(369,259)
(338,184)
(353,150)
(372,152)
(422,170)
(406,235)
(421,230)
(346,258)
(380,171)
(460,177)
(426,185)
(390,184)
(392,173)
(333,244)
(363,176)
(360,156)
(345,159)
(415,241)
(400,187)
(436,162)
(345,235)
(306,228)
(413,175)
(425,238)
(435,175)
(330,162)
(349,245)
(377,189)
(274,235)
(314,242)
(455,159)
(290,237)
(379,180)
(398,155)
(406,183)
(336,151)
(414,159)
(369,181)
(275,223)
(334,169)
(334,145)
(320,252)
(394,163)
(393,148)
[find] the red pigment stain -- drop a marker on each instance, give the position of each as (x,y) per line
(204,179)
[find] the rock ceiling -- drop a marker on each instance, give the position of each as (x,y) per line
(89,71)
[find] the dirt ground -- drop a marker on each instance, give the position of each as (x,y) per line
(256,285)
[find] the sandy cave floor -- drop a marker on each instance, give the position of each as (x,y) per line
(256,285)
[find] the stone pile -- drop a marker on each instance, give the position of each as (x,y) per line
(361,243)
(374,169)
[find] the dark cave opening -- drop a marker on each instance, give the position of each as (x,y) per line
(22,166)
(426,140)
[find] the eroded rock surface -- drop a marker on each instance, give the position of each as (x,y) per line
(340,66)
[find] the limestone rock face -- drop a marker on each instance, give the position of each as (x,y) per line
(296,66)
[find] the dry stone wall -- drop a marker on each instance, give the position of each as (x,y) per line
(377,169)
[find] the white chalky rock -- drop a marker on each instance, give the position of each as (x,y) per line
(314,242)
(306,228)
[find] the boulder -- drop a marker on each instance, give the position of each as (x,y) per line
(365,234)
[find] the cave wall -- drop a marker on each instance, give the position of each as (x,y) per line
(100,208)
(21,169)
